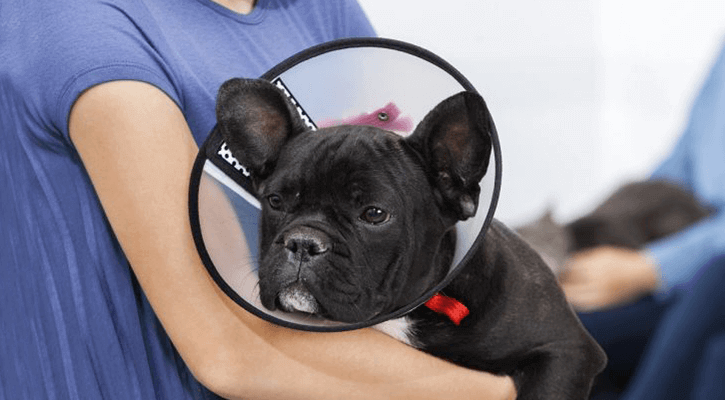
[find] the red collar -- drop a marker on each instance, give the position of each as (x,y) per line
(452,308)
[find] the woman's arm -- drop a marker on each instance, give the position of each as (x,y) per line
(138,151)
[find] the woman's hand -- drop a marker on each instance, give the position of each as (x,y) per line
(605,277)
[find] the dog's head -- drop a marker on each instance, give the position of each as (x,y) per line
(355,219)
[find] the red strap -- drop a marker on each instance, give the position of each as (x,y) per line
(452,308)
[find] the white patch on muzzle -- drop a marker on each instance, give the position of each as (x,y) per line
(297,298)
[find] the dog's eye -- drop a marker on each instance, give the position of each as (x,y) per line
(374,215)
(275,201)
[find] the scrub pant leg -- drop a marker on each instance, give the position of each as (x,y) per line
(678,358)
(623,333)
(710,383)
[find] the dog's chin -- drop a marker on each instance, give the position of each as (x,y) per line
(296,298)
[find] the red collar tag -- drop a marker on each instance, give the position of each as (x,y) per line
(452,308)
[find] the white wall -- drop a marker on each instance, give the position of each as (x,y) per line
(585,94)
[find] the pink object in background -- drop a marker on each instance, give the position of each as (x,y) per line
(387,117)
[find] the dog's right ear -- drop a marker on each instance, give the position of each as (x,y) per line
(255,120)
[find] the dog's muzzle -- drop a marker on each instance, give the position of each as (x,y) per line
(303,246)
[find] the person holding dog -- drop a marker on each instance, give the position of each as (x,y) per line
(102,294)
(660,313)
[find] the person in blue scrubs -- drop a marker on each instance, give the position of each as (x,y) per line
(660,313)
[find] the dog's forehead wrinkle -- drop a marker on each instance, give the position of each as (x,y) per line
(365,139)
(333,156)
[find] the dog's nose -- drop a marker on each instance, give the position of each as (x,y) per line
(306,242)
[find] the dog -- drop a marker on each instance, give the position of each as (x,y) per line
(358,221)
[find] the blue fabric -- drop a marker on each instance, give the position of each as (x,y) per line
(711,372)
(74,323)
(623,333)
(676,358)
(697,163)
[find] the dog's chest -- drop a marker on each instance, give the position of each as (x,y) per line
(402,329)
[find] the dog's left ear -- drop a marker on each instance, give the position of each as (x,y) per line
(455,142)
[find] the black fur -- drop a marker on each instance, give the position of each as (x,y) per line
(357,221)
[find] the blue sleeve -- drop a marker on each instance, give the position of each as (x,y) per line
(356,23)
(84,44)
(681,256)
(698,164)
(676,167)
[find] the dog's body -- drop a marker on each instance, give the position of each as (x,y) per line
(357,222)
(519,323)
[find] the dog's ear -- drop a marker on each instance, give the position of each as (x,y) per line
(255,120)
(455,142)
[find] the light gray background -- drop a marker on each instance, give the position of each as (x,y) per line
(585,94)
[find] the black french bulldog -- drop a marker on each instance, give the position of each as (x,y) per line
(357,221)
